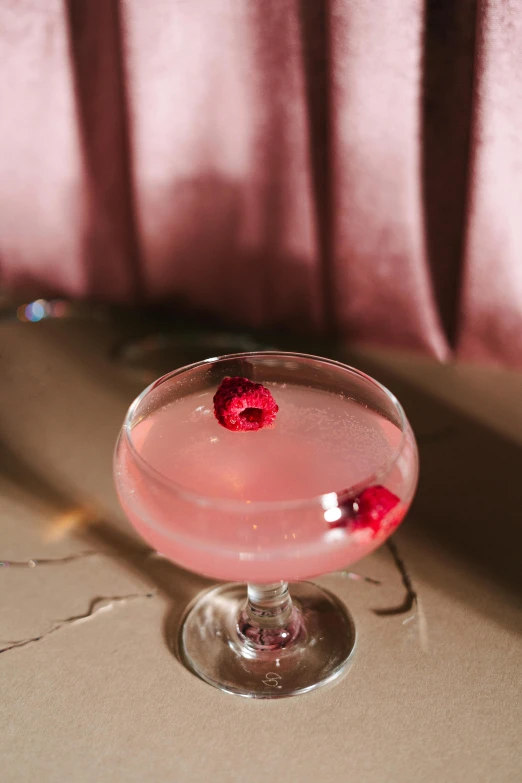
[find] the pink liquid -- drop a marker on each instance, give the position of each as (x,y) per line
(321,443)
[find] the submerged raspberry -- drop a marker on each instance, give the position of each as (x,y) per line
(241,405)
(373,506)
(368,510)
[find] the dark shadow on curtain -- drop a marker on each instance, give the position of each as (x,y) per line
(315,37)
(208,270)
(111,242)
(447,88)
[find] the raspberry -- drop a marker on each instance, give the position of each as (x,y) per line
(368,510)
(241,405)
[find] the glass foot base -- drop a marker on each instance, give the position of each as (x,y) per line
(212,646)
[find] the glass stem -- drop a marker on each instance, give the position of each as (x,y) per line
(268,621)
(269,605)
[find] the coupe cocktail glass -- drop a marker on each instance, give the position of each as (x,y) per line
(278,505)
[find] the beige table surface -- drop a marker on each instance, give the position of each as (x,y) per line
(92,692)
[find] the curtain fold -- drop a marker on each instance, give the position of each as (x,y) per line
(491,305)
(307,164)
(381,266)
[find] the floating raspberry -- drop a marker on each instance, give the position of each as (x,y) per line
(241,405)
(368,510)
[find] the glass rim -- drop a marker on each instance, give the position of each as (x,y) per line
(325,500)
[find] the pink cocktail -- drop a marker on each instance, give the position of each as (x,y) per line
(322,487)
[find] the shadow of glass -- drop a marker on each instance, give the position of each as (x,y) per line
(469,498)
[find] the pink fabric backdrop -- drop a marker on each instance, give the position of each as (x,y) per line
(330,165)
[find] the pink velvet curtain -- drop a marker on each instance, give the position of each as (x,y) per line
(307,163)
